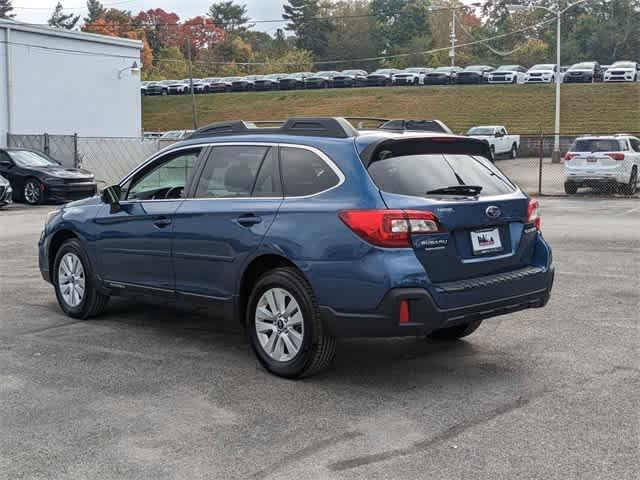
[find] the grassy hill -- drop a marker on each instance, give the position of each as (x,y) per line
(598,108)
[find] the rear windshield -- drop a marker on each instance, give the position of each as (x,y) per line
(418,174)
(597,145)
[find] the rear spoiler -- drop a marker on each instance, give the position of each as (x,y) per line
(398,147)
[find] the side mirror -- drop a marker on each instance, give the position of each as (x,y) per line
(498,134)
(5,164)
(111,195)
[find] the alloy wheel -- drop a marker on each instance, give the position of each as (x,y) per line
(71,280)
(32,193)
(279,324)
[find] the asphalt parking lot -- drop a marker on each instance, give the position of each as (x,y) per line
(157,391)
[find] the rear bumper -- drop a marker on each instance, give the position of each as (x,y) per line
(426,315)
(596,177)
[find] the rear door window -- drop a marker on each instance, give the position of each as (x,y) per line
(305,173)
(239,171)
(416,175)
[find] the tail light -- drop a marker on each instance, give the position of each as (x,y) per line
(619,156)
(533,213)
(390,228)
(569,156)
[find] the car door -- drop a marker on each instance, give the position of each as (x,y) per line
(235,200)
(8,168)
(134,238)
(505,142)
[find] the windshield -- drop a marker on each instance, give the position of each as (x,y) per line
(597,145)
(444,69)
(416,175)
(231,79)
(415,70)
(351,72)
(582,66)
(480,131)
(623,65)
(27,159)
(542,67)
(508,67)
(475,68)
(385,71)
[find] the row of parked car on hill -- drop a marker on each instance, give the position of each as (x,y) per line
(584,72)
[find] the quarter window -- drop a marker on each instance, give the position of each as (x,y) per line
(239,171)
(167,178)
(305,173)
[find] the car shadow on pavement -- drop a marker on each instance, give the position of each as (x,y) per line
(369,363)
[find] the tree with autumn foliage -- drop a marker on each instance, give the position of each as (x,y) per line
(161,28)
(116,23)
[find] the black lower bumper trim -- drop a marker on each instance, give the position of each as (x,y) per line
(425,315)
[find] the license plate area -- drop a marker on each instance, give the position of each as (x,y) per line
(592,160)
(486,241)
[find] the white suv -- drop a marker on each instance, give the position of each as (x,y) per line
(623,72)
(612,160)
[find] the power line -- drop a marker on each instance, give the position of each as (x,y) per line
(368,59)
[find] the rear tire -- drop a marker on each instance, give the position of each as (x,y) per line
(514,151)
(455,333)
(90,302)
(570,188)
(285,348)
(631,187)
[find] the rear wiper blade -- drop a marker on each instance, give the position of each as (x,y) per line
(457,190)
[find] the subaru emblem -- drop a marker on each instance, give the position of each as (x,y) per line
(493,211)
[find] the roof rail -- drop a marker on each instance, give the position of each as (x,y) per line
(416,125)
(360,121)
(329,127)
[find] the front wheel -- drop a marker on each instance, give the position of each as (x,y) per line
(284,326)
(74,282)
(32,192)
(454,333)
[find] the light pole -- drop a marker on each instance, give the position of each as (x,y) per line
(558,12)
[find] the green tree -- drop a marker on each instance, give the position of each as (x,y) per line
(312,32)
(59,19)
(230,16)
(168,63)
(353,33)
(6,9)
(399,22)
(95,10)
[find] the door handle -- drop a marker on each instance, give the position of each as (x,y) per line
(248,220)
(162,222)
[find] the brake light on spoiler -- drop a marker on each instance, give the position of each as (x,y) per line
(390,228)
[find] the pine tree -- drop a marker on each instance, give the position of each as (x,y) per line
(95,10)
(311,31)
(6,9)
(229,16)
(62,20)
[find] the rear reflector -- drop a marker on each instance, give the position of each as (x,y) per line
(390,228)
(533,213)
(405,316)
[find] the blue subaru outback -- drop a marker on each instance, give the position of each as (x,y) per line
(309,231)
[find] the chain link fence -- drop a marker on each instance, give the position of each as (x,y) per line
(110,159)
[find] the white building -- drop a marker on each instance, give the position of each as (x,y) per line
(63,82)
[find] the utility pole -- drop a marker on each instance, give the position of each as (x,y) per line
(555,156)
(452,53)
(194,113)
